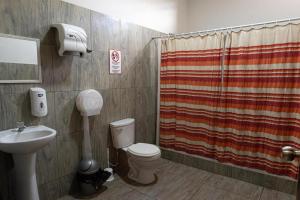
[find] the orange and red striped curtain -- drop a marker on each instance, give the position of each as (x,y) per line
(233,97)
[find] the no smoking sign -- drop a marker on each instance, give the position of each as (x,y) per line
(115,66)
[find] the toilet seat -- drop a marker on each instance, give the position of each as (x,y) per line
(143,150)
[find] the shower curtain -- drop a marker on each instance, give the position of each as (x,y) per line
(233,97)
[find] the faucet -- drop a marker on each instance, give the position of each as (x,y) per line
(20,126)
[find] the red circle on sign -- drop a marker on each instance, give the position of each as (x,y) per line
(115,56)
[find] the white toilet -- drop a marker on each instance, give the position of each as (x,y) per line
(143,158)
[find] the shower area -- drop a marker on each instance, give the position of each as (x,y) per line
(229,101)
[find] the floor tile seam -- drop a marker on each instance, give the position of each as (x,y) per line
(238,194)
(260,196)
(233,179)
(145,193)
(118,195)
(198,188)
(149,196)
(196,192)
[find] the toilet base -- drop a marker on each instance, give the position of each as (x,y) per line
(142,170)
(143,177)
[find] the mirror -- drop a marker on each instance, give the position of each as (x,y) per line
(19,59)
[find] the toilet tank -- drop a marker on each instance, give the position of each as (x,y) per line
(122,133)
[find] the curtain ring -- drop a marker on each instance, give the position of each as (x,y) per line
(205,33)
(290,23)
(171,35)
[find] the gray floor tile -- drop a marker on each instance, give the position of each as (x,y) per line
(184,186)
(211,193)
(116,191)
(245,189)
(134,195)
(275,195)
(175,184)
(153,190)
(67,198)
(179,182)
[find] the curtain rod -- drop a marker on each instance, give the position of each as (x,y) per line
(227,28)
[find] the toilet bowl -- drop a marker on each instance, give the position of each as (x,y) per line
(143,158)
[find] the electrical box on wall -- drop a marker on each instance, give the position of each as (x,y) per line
(70,39)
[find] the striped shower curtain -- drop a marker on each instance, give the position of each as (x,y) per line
(233,97)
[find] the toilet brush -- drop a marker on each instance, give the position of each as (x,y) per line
(109,169)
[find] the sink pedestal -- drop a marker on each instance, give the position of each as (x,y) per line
(25,177)
(23,147)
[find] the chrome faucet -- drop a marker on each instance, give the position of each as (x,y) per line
(20,126)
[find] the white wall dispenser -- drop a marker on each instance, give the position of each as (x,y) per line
(38,102)
(70,39)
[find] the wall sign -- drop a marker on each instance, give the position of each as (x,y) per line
(115,66)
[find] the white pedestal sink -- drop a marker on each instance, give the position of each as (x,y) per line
(23,145)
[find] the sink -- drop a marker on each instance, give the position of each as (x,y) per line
(23,147)
(28,141)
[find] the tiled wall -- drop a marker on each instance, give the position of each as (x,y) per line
(132,94)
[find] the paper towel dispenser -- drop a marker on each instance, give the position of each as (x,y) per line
(70,39)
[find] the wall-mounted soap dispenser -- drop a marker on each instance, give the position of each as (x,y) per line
(70,39)
(38,102)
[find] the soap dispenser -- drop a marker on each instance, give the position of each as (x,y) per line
(38,102)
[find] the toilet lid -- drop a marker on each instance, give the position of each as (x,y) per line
(145,150)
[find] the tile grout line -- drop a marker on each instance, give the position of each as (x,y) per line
(151,197)
(203,181)
(261,193)
(235,193)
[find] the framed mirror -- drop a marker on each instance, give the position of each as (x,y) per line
(20,60)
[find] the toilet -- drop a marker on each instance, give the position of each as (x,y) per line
(143,158)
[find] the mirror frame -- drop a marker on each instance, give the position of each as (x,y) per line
(39,80)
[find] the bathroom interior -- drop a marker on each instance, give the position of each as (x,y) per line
(149,100)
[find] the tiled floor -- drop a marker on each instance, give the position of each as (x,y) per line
(180,182)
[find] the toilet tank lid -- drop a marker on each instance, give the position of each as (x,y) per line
(123,122)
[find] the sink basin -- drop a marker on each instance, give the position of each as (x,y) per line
(28,141)
(23,146)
